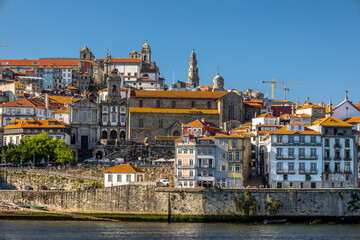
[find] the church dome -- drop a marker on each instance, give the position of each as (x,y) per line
(114,70)
(146,45)
(218,78)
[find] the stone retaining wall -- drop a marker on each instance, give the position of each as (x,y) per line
(147,199)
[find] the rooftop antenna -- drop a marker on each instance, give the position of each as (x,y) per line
(218,70)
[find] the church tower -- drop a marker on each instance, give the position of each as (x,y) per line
(193,74)
(107,61)
(114,86)
(86,54)
(218,83)
(146,53)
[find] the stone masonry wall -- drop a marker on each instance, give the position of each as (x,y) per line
(147,199)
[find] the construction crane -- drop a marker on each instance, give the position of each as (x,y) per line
(285,89)
(273,85)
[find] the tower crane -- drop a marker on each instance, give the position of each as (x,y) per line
(285,89)
(273,85)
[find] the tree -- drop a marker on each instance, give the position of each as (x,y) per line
(40,147)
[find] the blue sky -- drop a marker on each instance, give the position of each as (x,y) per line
(315,42)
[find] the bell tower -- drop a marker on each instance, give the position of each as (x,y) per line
(193,73)
(114,85)
(146,53)
(218,83)
(86,54)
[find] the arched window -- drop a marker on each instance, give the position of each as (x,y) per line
(122,135)
(145,76)
(104,134)
(176,133)
(114,89)
(113,134)
(231,112)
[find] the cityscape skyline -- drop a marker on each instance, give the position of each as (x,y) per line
(249,41)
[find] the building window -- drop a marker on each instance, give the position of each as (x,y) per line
(237,167)
(84,117)
(347,143)
(141,123)
(179,162)
(326,154)
(222,142)
(231,156)
(113,117)
(302,167)
(313,167)
(234,143)
(279,138)
(337,167)
(291,139)
(110,178)
(301,152)
(279,167)
(140,103)
(231,168)
(347,167)
(347,154)
(192,104)
(302,139)
(160,123)
(313,139)
(173,104)
(119,178)
(231,112)
(208,104)
(191,162)
(279,152)
(291,167)
(327,142)
(237,156)
(157,103)
(312,152)
(291,152)
(191,173)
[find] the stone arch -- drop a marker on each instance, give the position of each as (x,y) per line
(113,134)
(122,135)
(176,133)
(104,134)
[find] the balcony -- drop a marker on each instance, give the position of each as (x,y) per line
(206,166)
(311,172)
(285,157)
(312,157)
(285,171)
(347,158)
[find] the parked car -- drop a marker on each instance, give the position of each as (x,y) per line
(28,188)
(54,188)
(118,161)
(104,160)
(90,160)
(162,183)
(43,188)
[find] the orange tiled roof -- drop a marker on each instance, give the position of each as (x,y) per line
(247,124)
(311,106)
(331,121)
(196,123)
(146,80)
(62,111)
(124,60)
(302,115)
(352,120)
(268,125)
(284,130)
(62,99)
(265,115)
(206,138)
(123,168)
(177,94)
(296,123)
(32,123)
(134,52)
(41,62)
(237,135)
(173,110)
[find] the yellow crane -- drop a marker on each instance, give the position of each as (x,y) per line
(285,89)
(273,86)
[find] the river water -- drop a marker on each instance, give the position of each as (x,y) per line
(18,229)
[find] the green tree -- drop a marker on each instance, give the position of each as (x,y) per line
(62,152)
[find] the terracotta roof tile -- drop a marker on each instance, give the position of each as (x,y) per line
(124,60)
(32,123)
(177,94)
(331,121)
(123,168)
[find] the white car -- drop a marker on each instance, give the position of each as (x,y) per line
(90,160)
(118,161)
(104,160)
(164,182)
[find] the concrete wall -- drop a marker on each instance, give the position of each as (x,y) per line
(147,199)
